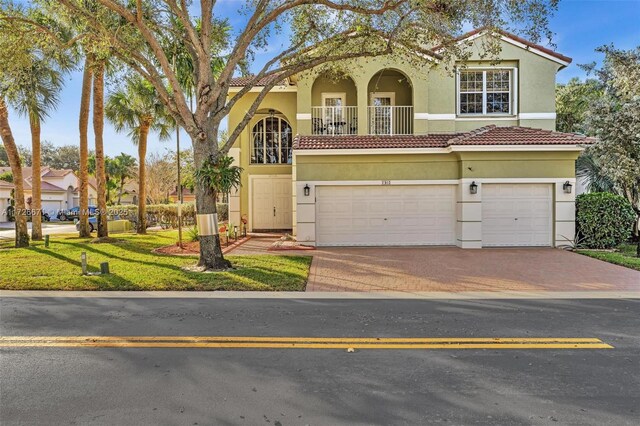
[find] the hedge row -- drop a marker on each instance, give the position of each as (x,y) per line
(165,214)
(603,220)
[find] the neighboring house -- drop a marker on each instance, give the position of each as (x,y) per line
(130,194)
(188,196)
(59,188)
(5,199)
(398,155)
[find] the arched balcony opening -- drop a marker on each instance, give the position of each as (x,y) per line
(271,139)
(334,106)
(390,103)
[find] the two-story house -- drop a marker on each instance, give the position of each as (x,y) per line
(392,154)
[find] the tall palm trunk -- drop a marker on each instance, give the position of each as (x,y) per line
(142,175)
(120,191)
(98,130)
(22,233)
(85,102)
(36,178)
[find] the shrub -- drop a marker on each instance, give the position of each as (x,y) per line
(603,220)
(165,214)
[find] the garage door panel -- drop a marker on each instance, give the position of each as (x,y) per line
(393,215)
(517,215)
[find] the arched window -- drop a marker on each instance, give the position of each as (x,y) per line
(272,140)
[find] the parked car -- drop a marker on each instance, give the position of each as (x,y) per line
(93,224)
(74,213)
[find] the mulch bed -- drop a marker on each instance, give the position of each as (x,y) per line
(193,248)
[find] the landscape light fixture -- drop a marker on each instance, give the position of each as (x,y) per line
(567,187)
(473,188)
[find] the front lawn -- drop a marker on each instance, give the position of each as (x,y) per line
(626,256)
(134,267)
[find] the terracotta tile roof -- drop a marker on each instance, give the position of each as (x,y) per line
(371,142)
(48,187)
(5,184)
(26,171)
(243,81)
(57,172)
(494,135)
(489,135)
(508,35)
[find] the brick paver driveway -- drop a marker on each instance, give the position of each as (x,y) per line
(421,269)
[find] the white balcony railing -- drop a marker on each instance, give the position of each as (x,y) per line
(334,121)
(390,120)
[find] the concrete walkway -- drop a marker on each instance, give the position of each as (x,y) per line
(450,269)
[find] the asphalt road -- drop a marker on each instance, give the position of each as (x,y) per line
(258,386)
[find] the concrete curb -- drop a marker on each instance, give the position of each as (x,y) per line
(324,295)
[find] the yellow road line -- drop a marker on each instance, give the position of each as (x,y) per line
(306,339)
(302,342)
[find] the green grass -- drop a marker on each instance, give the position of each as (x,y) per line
(626,256)
(134,267)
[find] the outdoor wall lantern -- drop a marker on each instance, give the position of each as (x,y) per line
(567,187)
(473,188)
(307,190)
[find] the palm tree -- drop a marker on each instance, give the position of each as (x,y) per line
(138,109)
(123,169)
(83,125)
(35,94)
(588,168)
(22,233)
(98,132)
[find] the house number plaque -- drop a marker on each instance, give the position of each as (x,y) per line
(386,182)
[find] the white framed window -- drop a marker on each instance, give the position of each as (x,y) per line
(486,91)
(272,140)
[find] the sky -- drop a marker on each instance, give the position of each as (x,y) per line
(580,26)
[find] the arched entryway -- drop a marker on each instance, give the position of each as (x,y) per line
(390,103)
(334,102)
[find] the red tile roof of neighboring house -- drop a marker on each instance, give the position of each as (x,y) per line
(5,184)
(57,172)
(508,35)
(243,81)
(489,135)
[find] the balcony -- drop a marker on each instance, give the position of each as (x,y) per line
(334,121)
(390,120)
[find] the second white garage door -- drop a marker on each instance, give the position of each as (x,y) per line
(517,215)
(385,215)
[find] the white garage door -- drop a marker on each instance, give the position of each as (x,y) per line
(385,215)
(51,207)
(517,215)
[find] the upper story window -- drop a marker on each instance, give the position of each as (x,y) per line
(483,92)
(272,141)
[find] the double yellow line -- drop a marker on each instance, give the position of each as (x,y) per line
(262,342)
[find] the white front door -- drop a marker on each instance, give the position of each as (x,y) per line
(385,215)
(518,215)
(271,203)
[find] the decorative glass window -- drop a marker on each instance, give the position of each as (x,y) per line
(485,92)
(272,141)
